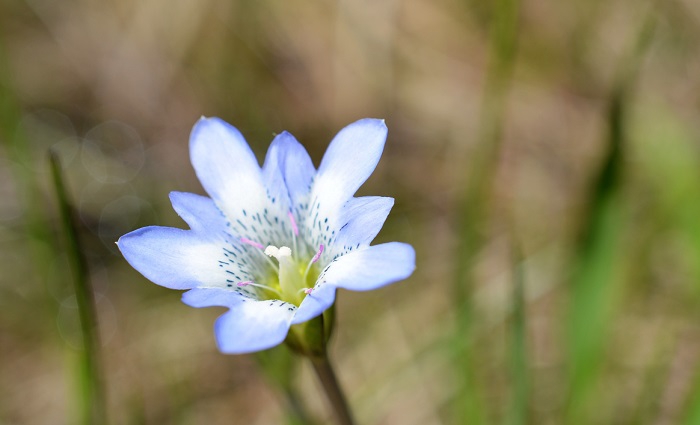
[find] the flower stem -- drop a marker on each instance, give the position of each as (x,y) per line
(329,380)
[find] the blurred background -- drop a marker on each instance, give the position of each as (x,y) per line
(544,157)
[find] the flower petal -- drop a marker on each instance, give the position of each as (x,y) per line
(230,174)
(350,159)
(372,267)
(363,218)
(199,212)
(288,171)
(249,325)
(322,297)
(175,258)
(362,270)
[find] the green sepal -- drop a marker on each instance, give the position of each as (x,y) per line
(329,322)
(308,338)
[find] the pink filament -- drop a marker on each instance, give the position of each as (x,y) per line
(246,283)
(295,229)
(252,243)
(318,254)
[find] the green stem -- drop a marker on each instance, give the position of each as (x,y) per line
(329,380)
(296,410)
(93,408)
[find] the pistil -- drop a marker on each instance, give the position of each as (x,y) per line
(288,273)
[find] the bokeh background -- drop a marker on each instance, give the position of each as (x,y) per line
(544,157)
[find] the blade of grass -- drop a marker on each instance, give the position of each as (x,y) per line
(692,409)
(17,148)
(473,205)
(518,414)
(594,281)
(92,395)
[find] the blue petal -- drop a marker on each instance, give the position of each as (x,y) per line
(199,212)
(230,174)
(174,258)
(315,303)
(288,171)
(350,159)
(363,270)
(363,218)
(372,267)
(249,325)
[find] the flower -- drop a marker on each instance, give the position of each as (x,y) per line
(273,243)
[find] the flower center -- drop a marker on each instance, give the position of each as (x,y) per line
(295,278)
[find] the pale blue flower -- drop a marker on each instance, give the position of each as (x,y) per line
(272,244)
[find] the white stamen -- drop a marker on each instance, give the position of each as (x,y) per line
(266,255)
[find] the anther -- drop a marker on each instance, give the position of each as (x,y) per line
(272,251)
(278,253)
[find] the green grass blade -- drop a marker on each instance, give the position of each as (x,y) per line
(518,414)
(92,394)
(692,410)
(595,282)
(472,209)
(15,144)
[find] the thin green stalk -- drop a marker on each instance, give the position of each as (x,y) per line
(14,143)
(595,282)
(279,365)
(691,414)
(473,205)
(92,394)
(326,375)
(310,339)
(296,411)
(519,370)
